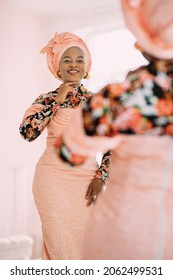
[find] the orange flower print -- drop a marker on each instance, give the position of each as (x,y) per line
(87,95)
(74,99)
(134,121)
(130,118)
(169,129)
(34,123)
(28,121)
(115,90)
(54,109)
(144,75)
(103,119)
(97,102)
(164,107)
(142,126)
(30,133)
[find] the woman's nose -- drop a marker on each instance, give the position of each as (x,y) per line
(73,64)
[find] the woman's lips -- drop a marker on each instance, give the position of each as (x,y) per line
(73,72)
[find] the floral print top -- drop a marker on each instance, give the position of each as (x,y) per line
(142,104)
(33,125)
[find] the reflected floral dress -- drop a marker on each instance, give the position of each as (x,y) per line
(133,218)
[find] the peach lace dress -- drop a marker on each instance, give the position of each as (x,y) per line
(59,190)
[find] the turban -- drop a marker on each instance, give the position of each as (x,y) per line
(151,22)
(58,45)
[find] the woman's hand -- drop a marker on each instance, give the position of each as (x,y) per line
(65,89)
(94,189)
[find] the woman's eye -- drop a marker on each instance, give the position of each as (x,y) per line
(67,61)
(80,61)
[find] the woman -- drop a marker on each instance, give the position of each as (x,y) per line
(133,218)
(60,191)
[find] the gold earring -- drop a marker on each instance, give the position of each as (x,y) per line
(59,75)
(87,75)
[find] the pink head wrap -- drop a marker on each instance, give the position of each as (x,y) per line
(58,45)
(151,22)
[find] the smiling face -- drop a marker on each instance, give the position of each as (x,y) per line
(72,67)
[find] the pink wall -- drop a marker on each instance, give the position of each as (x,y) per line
(23,76)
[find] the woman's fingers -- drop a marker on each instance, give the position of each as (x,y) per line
(94,190)
(89,191)
(91,200)
(73,84)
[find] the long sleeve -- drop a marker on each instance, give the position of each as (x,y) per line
(43,109)
(103,170)
(37,116)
